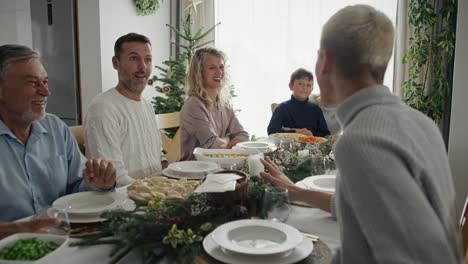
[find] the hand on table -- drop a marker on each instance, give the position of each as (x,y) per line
(100,174)
(33,226)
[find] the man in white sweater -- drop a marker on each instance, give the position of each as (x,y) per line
(120,125)
(394,197)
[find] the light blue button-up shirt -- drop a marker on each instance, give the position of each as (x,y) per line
(32,176)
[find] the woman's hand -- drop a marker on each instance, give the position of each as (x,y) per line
(277,177)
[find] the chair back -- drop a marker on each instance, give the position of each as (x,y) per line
(464,226)
(273,107)
(78,133)
(171,146)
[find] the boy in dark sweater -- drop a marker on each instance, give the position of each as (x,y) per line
(299,115)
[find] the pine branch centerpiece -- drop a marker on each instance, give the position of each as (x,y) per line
(158,227)
(302,160)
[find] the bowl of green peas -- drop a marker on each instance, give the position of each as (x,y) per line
(30,247)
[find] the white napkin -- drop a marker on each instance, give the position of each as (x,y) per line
(218,182)
(303,153)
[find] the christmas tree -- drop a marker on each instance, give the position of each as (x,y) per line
(170,84)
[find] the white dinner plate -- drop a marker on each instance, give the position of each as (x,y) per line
(172,174)
(299,253)
(257,237)
(324,183)
(263,147)
(127,205)
(89,202)
(193,167)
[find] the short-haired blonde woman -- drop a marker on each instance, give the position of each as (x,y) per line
(207,120)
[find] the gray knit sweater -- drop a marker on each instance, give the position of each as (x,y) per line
(395,196)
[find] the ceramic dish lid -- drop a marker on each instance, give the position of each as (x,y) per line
(257,237)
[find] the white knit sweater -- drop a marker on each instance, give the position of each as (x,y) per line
(125,132)
(394,196)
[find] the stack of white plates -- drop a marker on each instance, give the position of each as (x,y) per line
(257,241)
(86,207)
(192,170)
(263,147)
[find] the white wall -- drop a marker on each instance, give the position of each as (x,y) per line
(89,38)
(122,19)
(15,22)
(458,140)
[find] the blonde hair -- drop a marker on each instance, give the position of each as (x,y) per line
(360,40)
(195,77)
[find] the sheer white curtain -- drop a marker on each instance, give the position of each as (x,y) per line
(266,40)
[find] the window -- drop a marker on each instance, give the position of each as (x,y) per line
(266,40)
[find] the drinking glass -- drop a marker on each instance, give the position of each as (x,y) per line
(60,213)
(276,204)
(286,144)
(321,164)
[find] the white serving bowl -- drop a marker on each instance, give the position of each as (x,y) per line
(61,241)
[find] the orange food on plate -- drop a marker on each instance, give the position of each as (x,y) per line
(310,139)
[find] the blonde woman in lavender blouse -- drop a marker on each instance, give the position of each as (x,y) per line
(207,120)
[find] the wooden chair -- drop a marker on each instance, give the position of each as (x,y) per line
(273,107)
(170,145)
(464,226)
(78,133)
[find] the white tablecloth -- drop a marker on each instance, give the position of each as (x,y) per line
(309,220)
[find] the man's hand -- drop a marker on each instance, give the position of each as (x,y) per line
(33,226)
(164,164)
(304,131)
(100,174)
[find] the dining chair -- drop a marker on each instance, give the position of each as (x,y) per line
(273,107)
(464,226)
(171,146)
(78,133)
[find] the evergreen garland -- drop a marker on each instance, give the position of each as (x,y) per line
(166,225)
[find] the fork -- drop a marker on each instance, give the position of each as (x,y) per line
(314,238)
(288,129)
